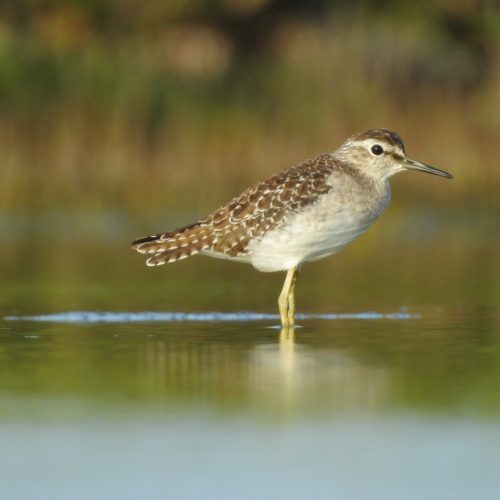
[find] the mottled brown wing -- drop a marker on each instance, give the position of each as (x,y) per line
(260,208)
(264,206)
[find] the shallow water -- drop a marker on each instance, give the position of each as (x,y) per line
(120,382)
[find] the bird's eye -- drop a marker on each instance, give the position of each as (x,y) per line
(377,149)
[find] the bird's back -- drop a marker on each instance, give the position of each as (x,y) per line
(228,231)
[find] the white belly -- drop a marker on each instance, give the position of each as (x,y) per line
(321,230)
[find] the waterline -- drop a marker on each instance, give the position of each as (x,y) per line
(168,316)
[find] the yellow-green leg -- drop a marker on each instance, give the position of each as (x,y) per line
(291,299)
(286,301)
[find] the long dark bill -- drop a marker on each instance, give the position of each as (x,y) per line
(416,165)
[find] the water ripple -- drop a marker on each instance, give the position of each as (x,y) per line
(242,316)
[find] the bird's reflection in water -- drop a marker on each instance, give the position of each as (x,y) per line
(288,373)
(287,361)
(287,348)
(300,377)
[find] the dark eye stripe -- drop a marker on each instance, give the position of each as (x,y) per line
(397,157)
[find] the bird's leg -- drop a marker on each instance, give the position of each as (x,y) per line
(284,298)
(291,298)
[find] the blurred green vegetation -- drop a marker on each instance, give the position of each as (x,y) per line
(107,104)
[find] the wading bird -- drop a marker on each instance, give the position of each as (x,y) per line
(299,215)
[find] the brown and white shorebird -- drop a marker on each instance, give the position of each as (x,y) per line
(299,215)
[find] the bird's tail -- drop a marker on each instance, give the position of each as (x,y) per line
(174,245)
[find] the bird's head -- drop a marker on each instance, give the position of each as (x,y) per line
(381,153)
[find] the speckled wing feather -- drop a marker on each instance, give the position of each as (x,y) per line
(228,231)
(174,245)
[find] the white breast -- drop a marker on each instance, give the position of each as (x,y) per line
(321,229)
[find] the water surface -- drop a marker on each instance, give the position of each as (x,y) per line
(120,382)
